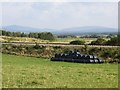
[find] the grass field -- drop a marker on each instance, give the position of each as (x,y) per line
(20,71)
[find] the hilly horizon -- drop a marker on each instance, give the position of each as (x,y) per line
(73,30)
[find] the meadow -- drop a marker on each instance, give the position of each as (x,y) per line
(30,72)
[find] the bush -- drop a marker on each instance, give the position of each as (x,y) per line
(99,41)
(114,41)
(36,46)
(77,42)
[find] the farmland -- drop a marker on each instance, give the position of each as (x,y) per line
(24,72)
(59,44)
(21,39)
(33,40)
(67,40)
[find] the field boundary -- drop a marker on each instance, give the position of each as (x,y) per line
(56,44)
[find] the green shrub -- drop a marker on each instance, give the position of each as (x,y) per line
(77,42)
(99,41)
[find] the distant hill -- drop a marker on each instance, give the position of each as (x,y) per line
(16,28)
(89,29)
(73,31)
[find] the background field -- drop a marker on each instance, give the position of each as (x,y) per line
(21,39)
(20,71)
(57,40)
(68,40)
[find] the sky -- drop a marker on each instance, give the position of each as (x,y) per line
(59,14)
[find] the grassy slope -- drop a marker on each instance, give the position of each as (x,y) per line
(19,71)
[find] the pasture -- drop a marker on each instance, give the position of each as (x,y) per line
(30,72)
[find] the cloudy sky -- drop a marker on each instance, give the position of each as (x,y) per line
(59,15)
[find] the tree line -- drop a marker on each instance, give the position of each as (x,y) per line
(40,35)
(66,36)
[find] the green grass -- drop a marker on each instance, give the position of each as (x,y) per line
(24,72)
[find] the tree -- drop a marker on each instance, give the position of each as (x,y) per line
(31,35)
(46,36)
(8,34)
(23,35)
(3,33)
